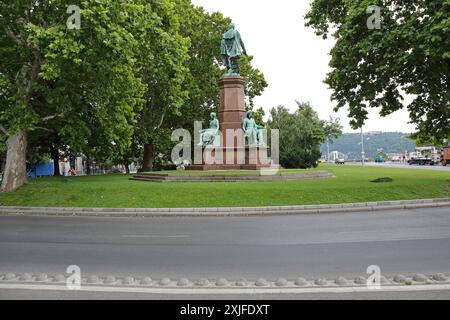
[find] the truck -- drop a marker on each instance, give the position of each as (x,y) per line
(445,156)
(425,156)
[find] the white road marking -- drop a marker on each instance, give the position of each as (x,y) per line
(151,236)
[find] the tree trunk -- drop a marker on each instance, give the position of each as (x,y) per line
(15,174)
(149,156)
(127,167)
(55,157)
(2,165)
(88,166)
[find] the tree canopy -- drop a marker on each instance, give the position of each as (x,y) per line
(82,84)
(301,135)
(407,58)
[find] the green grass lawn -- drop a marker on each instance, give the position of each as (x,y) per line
(352,184)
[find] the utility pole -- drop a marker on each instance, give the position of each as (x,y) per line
(363,153)
(328,150)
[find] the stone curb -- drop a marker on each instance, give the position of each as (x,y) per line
(146,282)
(231,211)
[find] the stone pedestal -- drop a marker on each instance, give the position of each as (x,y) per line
(235,158)
(232,107)
(232,153)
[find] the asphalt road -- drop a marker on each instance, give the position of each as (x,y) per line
(325,245)
(403,166)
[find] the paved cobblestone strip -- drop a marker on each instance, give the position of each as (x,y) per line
(58,282)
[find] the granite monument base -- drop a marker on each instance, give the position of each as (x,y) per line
(237,158)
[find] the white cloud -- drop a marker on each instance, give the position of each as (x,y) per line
(293,59)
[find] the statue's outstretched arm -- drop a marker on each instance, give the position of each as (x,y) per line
(242,44)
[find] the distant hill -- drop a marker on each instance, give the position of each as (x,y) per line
(391,142)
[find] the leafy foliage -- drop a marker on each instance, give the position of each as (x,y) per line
(83,85)
(333,129)
(301,135)
(258,115)
(409,55)
(164,52)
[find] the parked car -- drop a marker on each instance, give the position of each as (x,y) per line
(380,159)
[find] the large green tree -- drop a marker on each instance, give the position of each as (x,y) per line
(165,94)
(68,80)
(376,65)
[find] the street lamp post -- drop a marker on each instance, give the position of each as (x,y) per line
(363,154)
(328,150)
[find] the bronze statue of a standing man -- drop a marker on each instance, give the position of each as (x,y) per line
(232,47)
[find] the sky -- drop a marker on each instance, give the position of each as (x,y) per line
(293,59)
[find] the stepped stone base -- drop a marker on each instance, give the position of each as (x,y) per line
(224,177)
